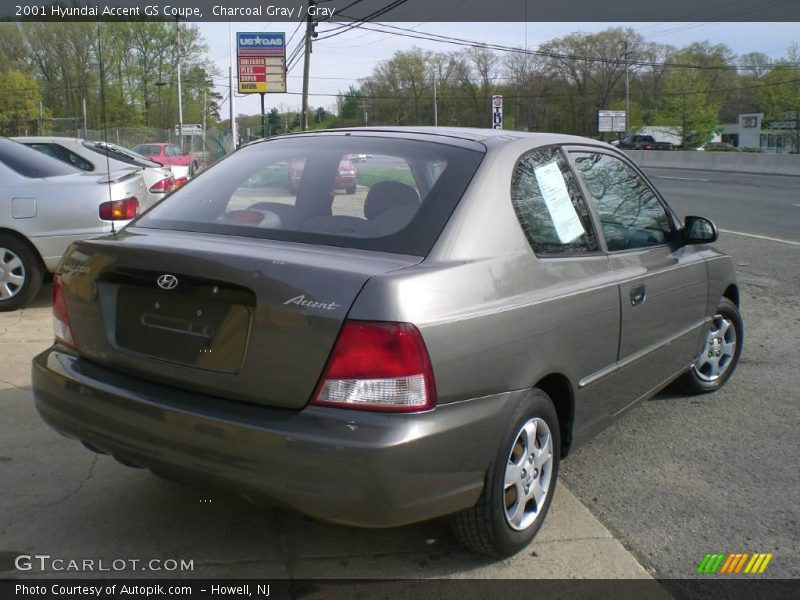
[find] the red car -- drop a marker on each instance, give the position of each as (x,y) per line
(345,175)
(168,154)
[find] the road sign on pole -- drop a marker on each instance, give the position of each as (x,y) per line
(189,129)
(610,121)
(261,59)
(497,112)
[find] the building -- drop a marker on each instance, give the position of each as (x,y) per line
(753,132)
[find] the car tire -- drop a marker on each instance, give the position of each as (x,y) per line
(21,273)
(498,524)
(351,190)
(720,353)
(192,170)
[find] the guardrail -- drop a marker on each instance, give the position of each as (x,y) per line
(739,162)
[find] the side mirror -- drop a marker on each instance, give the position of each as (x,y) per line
(699,230)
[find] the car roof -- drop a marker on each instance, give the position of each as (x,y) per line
(465,135)
(47,138)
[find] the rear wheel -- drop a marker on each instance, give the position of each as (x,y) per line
(519,485)
(20,273)
(351,189)
(720,353)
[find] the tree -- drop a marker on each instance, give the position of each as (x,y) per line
(593,67)
(19,101)
(686,103)
(350,103)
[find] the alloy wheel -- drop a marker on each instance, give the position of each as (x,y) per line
(718,351)
(528,474)
(12,274)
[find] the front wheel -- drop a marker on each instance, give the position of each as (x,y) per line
(720,353)
(519,485)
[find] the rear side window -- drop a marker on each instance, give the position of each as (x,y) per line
(386,194)
(550,206)
(31,163)
(63,154)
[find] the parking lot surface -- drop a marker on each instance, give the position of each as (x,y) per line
(60,499)
(675,478)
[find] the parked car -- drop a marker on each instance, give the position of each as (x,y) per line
(719,147)
(346,175)
(501,297)
(45,205)
(169,154)
(102,157)
(643,142)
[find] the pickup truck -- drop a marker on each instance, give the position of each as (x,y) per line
(642,142)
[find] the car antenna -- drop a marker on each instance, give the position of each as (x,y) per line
(103,119)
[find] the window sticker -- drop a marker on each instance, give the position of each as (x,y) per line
(556,196)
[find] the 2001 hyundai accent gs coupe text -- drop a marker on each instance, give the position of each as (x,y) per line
(431,344)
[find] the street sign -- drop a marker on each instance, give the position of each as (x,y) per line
(610,120)
(189,129)
(261,61)
(497,112)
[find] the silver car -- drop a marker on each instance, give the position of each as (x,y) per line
(45,205)
(104,157)
(431,345)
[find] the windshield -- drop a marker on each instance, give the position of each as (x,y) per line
(31,163)
(309,189)
(121,154)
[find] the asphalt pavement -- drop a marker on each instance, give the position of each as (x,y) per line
(675,478)
(766,205)
(59,499)
(678,477)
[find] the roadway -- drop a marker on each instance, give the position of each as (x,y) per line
(767,205)
(681,476)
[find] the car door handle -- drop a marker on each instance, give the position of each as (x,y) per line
(638,295)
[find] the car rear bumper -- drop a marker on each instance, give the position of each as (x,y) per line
(343,466)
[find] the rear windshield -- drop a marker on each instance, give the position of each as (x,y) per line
(385,194)
(146,150)
(31,163)
(121,154)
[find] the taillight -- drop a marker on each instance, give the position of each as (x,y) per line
(61,324)
(163,186)
(179,181)
(378,366)
(119,210)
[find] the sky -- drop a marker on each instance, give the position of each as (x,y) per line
(346,58)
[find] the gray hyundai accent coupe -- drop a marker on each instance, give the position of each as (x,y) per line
(431,345)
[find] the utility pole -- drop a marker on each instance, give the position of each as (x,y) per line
(231,96)
(85,121)
(306,65)
(365,108)
(180,94)
(205,109)
(627,93)
(435,103)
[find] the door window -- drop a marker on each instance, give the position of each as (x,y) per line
(630,213)
(549,204)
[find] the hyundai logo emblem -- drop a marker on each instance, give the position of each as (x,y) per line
(167,282)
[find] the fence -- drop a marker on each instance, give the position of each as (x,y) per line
(207,147)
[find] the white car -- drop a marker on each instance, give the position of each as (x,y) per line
(102,157)
(45,205)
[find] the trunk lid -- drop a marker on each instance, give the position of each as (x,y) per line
(246,319)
